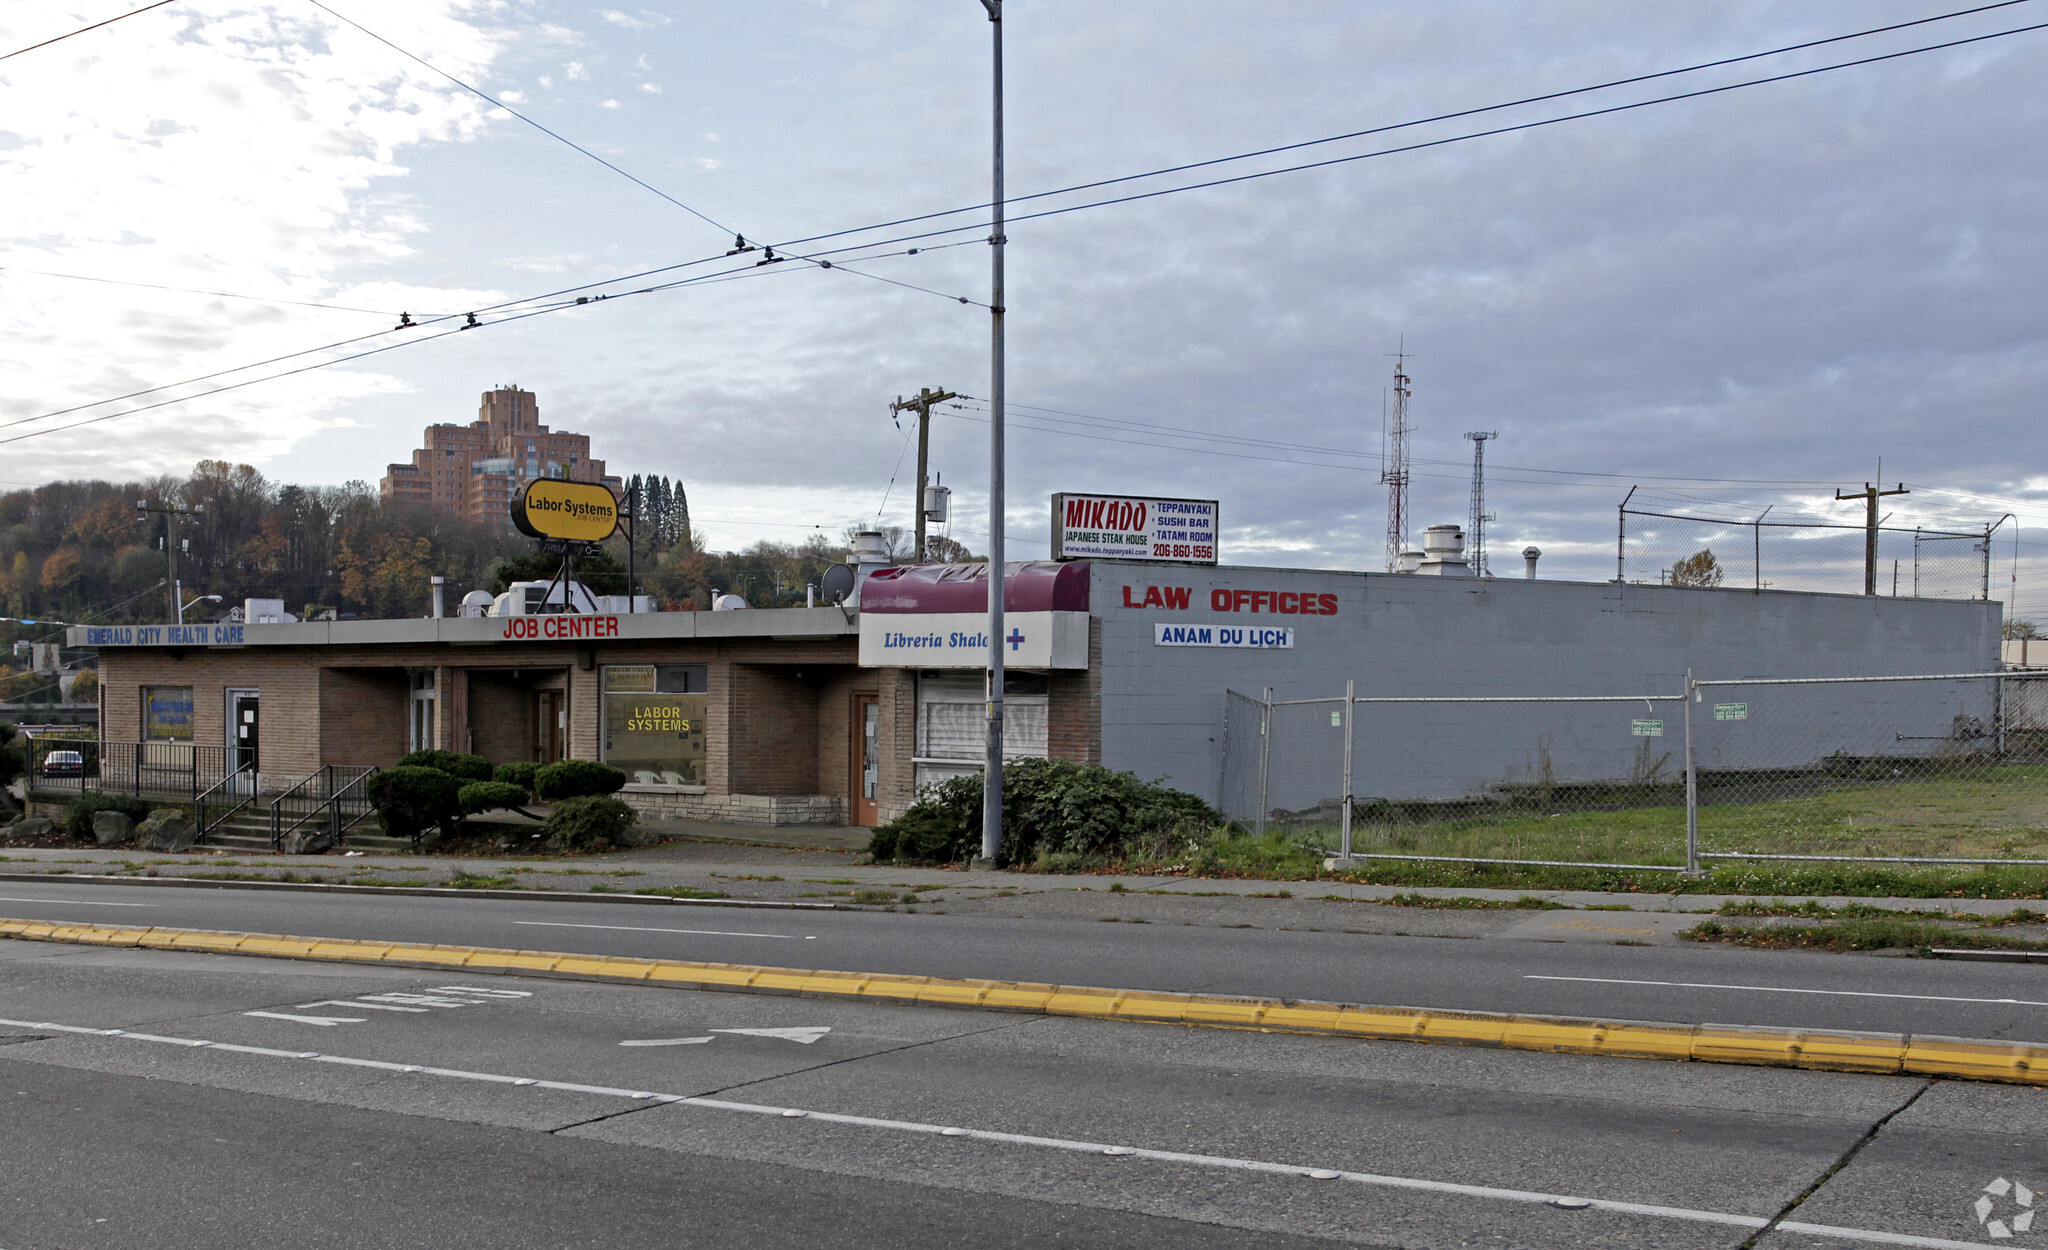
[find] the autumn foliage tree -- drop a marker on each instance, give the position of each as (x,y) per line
(1699,569)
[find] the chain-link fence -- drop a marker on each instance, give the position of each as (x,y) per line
(1921,769)
(1674,543)
(1948,769)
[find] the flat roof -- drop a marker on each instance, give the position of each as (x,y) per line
(825,622)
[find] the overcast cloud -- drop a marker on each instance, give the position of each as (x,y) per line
(1772,287)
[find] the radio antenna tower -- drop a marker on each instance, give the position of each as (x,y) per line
(1395,472)
(1475,540)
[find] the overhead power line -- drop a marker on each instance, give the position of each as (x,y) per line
(1439,117)
(81,30)
(186,290)
(816,258)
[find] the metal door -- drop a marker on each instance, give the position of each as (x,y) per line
(550,726)
(245,736)
(867,759)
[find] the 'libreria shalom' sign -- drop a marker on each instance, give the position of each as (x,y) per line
(1124,527)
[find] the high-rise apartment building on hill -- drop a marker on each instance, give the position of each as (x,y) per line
(473,470)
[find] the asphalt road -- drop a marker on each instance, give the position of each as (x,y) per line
(1687,984)
(430,1110)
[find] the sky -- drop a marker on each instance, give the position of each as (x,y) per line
(1739,300)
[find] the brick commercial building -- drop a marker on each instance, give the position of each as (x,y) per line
(831,714)
(472,470)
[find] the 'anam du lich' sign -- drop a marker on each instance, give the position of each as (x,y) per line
(1182,531)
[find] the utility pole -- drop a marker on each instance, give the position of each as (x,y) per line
(171,512)
(1395,474)
(922,406)
(1475,544)
(992,777)
(1870,494)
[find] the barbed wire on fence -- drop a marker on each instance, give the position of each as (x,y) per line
(1673,541)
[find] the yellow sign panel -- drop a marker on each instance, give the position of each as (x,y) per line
(581,511)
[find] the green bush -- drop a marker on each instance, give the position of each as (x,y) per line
(484,796)
(570,779)
(410,800)
(79,812)
(586,822)
(1050,807)
(517,773)
(13,754)
(454,763)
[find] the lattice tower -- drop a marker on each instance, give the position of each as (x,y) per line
(1395,474)
(1475,529)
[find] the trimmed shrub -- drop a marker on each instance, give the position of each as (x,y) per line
(586,822)
(79,812)
(517,773)
(570,779)
(410,800)
(13,754)
(454,763)
(1050,807)
(484,796)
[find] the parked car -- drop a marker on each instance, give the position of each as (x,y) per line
(64,764)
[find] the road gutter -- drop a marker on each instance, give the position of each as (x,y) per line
(430,891)
(1893,1054)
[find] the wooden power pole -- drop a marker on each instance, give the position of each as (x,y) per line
(922,406)
(1870,494)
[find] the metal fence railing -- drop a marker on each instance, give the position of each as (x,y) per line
(147,769)
(1922,769)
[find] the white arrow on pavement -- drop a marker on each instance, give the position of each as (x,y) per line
(670,1041)
(805,1035)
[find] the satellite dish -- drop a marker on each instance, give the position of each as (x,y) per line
(837,583)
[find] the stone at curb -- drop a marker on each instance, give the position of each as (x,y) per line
(112,828)
(167,829)
(29,827)
(307,842)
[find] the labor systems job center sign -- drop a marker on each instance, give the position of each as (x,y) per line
(1124,527)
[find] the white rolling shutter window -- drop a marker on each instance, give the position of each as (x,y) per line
(950,726)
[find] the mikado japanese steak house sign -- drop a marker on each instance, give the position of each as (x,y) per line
(1125,527)
(576,511)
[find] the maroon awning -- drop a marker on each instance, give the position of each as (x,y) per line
(1032,586)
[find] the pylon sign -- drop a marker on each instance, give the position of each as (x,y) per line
(576,511)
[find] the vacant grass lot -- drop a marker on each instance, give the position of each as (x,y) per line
(1990,812)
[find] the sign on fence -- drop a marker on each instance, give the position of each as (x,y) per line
(1731,711)
(1647,728)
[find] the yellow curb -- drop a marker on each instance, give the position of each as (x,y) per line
(1822,1049)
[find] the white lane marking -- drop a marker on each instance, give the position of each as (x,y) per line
(634,928)
(1788,989)
(361,1006)
(324,1021)
(471,989)
(670,1041)
(805,1035)
(1054,1143)
(419,1000)
(72,902)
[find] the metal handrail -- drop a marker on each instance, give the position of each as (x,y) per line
(208,797)
(332,791)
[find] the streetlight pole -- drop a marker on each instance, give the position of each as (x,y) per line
(992,786)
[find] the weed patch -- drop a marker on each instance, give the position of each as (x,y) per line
(1856,935)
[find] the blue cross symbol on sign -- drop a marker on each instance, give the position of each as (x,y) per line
(1016,639)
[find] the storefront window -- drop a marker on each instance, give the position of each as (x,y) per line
(167,713)
(654,722)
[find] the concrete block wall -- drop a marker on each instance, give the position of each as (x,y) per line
(779,709)
(1396,635)
(364,718)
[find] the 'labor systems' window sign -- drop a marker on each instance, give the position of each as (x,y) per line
(1124,527)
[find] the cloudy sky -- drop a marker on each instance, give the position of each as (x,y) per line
(1738,300)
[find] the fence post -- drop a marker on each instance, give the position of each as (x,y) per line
(1998,707)
(1265,754)
(1350,707)
(1692,784)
